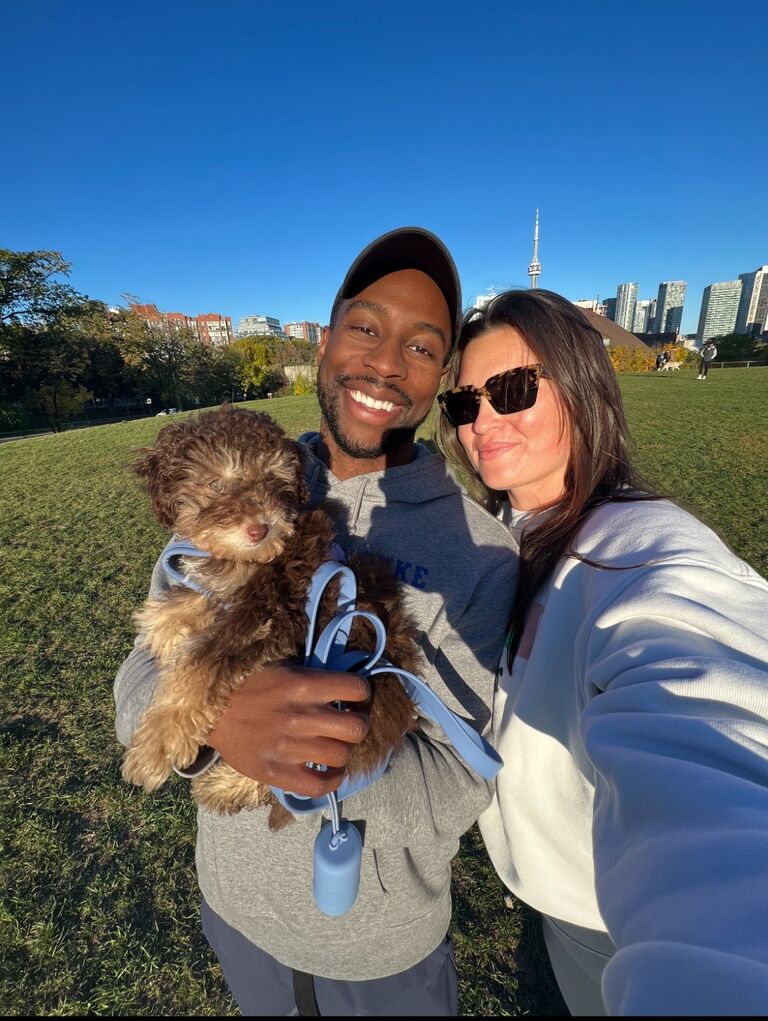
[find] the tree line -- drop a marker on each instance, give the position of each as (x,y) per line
(733,347)
(64,355)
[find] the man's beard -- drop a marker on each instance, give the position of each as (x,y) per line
(329,397)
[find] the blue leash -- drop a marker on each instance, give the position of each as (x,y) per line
(338,846)
(181,548)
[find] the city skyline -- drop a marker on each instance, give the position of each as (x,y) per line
(218,184)
(627,309)
(632,313)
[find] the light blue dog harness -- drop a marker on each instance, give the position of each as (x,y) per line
(338,846)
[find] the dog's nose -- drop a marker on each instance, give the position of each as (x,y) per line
(256,532)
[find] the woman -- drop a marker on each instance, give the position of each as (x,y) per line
(632,702)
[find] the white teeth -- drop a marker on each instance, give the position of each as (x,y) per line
(369,402)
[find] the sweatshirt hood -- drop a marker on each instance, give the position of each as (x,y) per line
(426,477)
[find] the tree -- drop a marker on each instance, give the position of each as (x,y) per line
(27,292)
(210,373)
(304,384)
(293,352)
(60,400)
(157,356)
(636,359)
(260,375)
(739,347)
(47,364)
(50,337)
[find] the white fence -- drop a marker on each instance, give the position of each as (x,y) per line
(736,365)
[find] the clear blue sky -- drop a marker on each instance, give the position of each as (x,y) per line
(234,155)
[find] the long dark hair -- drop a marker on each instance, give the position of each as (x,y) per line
(599,468)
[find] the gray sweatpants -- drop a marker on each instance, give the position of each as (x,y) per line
(263,987)
(578,957)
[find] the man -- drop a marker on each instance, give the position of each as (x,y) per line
(708,354)
(380,363)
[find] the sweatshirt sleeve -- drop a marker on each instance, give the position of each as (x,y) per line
(135,681)
(429,793)
(676,727)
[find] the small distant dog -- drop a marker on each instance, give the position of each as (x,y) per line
(667,366)
(233,483)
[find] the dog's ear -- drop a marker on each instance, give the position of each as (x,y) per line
(151,467)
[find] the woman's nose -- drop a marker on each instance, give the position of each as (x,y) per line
(487,418)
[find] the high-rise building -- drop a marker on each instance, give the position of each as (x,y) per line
(752,316)
(626,299)
(610,309)
(210,328)
(181,321)
(312,332)
(719,308)
(669,307)
(215,330)
(642,316)
(259,326)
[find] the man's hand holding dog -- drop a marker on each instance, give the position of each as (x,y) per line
(281,717)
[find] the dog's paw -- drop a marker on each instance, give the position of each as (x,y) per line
(145,768)
(174,740)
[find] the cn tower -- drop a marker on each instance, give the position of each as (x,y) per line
(535,267)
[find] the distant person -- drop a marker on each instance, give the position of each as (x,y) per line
(381,361)
(661,360)
(631,707)
(708,354)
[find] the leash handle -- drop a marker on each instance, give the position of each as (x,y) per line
(470,745)
(330,648)
(347,597)
(181,548)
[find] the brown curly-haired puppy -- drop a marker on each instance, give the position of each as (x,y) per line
(233,483)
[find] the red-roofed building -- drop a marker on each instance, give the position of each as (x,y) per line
(210,328)
(214,329)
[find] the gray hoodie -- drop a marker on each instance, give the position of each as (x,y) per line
(457,565)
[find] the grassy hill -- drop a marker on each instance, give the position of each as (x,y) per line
(98,896)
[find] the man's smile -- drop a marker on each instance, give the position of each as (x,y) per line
(371,402)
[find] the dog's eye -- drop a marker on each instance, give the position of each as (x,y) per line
(216,486)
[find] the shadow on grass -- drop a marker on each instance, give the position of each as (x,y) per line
(99,910)
(503,965)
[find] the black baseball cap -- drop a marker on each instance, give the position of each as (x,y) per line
(406,248)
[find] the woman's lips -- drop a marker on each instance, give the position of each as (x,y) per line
(493,450)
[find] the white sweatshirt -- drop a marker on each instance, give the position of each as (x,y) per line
(634,732)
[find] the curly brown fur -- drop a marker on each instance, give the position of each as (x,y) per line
(232,483)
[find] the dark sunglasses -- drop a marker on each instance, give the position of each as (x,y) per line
(507,392)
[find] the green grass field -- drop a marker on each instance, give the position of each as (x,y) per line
(98,909)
